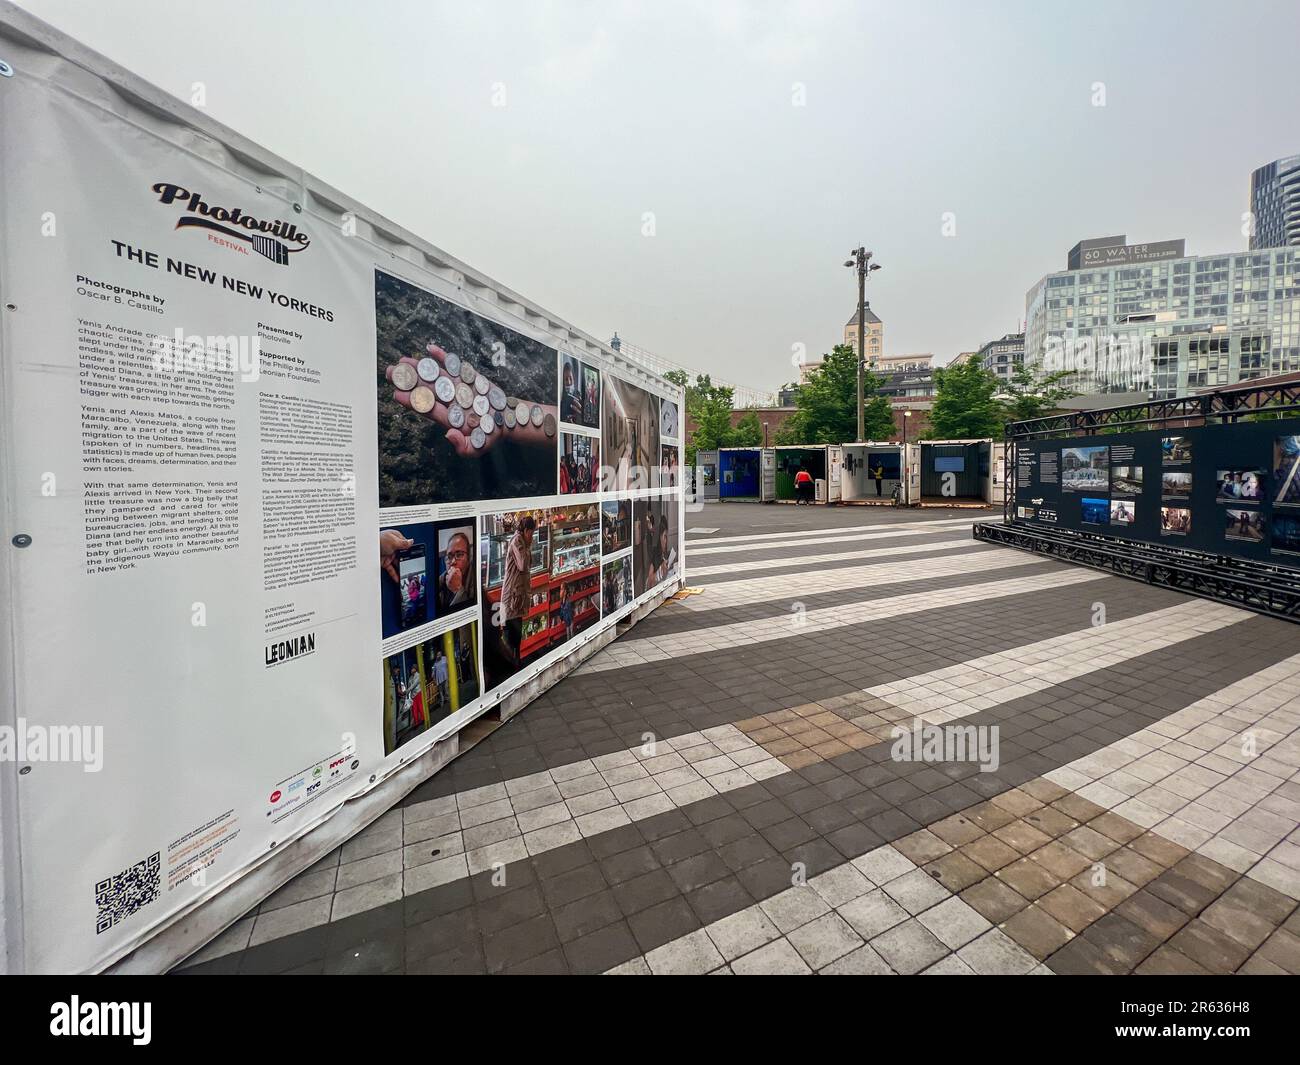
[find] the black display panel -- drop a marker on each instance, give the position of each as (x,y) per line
(1224,489)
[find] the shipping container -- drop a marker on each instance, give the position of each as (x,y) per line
(746,474)
(873,471)
(823,462)
(961,473)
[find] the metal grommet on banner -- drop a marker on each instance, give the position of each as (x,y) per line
(6,71)
(24,771)
(22,540)
(297,208)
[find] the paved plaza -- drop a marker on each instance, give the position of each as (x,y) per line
(721,790)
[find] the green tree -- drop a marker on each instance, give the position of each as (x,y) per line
(709,407)
(827,404)
(964,404)
(1030,395)
(747,432)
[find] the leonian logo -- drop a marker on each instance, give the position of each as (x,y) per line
(291,648)
(275,239)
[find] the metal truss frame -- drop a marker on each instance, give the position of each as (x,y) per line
(1258,586)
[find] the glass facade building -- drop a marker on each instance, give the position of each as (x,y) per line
(1169,327)
(1275,204)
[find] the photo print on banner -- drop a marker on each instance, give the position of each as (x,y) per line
(429,682)
(426,572)
(579,463)
(616,584)
(1239,485)
(615,526)
(579,393)
(1126,480)
(1122,511)
(1241,523)
(1085,469)
(540,577)
(655,544)
(1286,471)
(1286,534)
(669,466)
(629,436)
(668,419)
(466,406)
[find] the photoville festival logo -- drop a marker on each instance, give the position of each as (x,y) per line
(275,239)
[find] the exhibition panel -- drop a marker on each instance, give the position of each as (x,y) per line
(294,496)
(1226,489)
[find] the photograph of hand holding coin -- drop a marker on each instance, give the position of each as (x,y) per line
(475,413)
(467,407)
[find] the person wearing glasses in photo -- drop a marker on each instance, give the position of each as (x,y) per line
(455,586)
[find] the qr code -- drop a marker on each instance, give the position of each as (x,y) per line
(132,889)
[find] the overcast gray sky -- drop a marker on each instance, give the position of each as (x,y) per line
(691,111)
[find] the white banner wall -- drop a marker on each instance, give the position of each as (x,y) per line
(219,636)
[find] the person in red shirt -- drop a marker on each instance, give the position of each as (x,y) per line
(803,484)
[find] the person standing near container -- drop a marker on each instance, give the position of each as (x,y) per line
(803,484)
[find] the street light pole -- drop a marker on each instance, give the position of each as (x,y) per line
(862,336)
(860,259)
(907,484)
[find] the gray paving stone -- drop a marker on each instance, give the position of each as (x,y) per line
(367,896)
(691,955)
(794,907)
(777,958)
(353,874)
(995,954)
(954,923)
(742,932)
(909,947)
(861,962)
(916,891)
(823,940)
(290,919)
